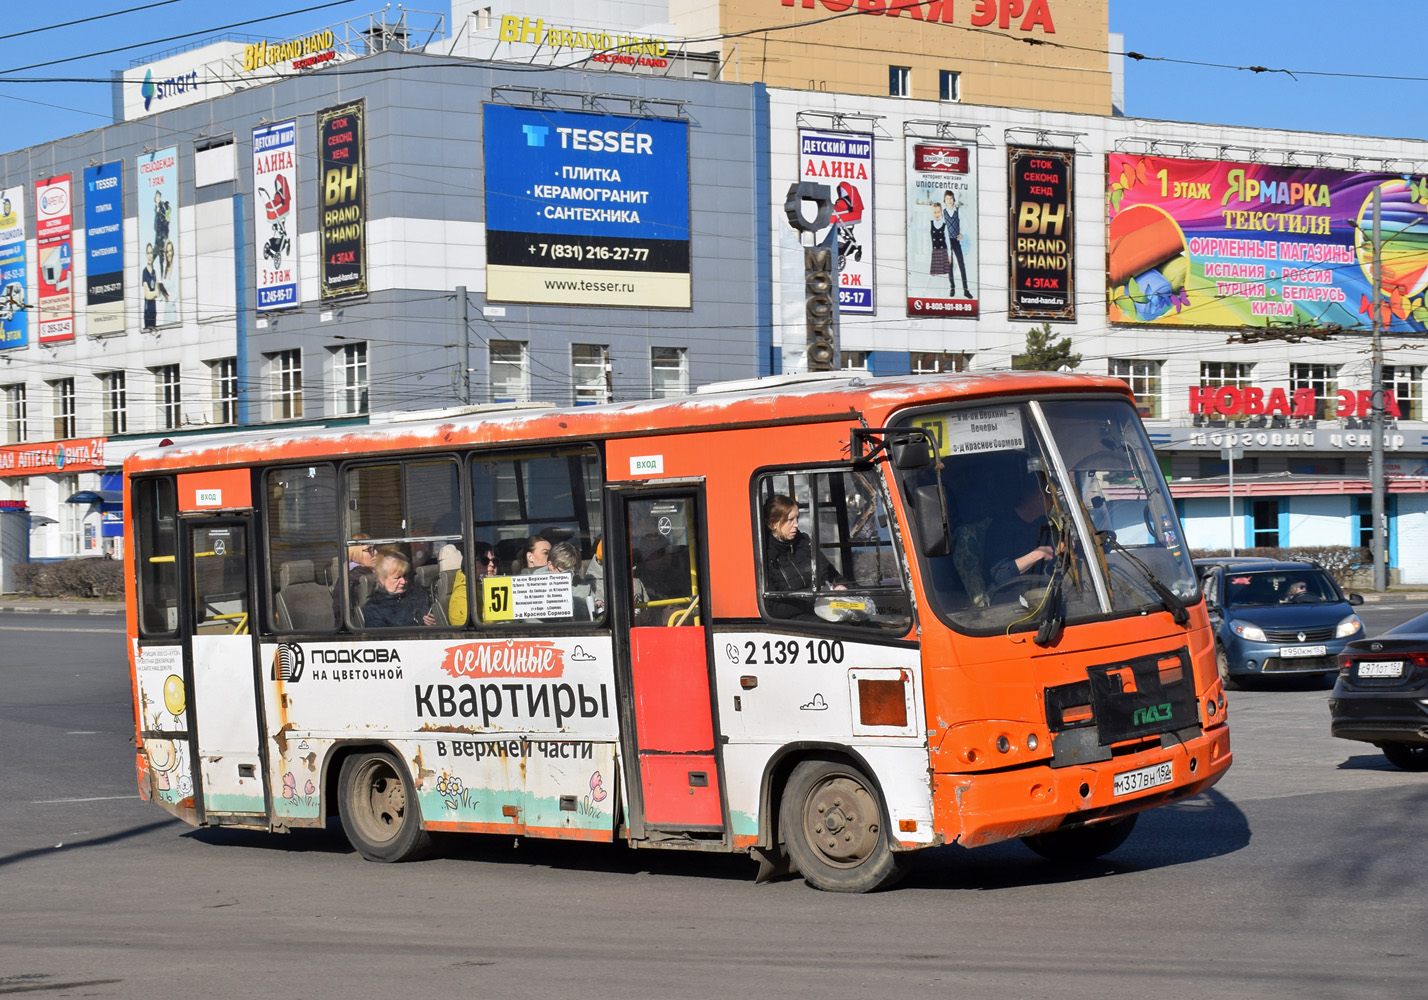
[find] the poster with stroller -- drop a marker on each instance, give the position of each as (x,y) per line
(844,162)
(941,228)
(275,215)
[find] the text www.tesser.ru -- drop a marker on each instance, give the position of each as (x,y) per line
(589,286)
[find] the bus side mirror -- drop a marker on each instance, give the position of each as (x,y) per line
(929,510)
(911,453)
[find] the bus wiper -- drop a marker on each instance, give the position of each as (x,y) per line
(1055,619)
(1168,598)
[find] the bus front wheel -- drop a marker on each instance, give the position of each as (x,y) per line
(831,818)
(379,809)
(1082,843)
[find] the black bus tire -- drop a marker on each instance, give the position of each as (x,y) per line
(831,819)
(379,809)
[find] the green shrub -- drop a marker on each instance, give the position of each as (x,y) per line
(72,578)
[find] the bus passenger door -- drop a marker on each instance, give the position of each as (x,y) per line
(221,651)
(674,783)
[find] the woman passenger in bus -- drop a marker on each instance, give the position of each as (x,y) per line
(484,558)
(396,602)
(536,554)
(360,558)
(789,559)
(565,558)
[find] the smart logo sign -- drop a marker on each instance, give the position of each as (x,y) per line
(104,248)
(586,209)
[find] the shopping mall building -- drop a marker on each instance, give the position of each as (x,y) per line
(526,205)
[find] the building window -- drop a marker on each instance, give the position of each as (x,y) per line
(1144,379)
(71,515)
(1363,516)
(114,406)
(590,368)
(1405,382)
(510,372)
(949,85)
(287,384)
(1266,523)
(16,414)
(483,18)
(937,362)
(1214,466)
(224,373)
(1324,380)
(1219,374)
(62,395)
(669,372)
(857,360)
(900,81)
(352,378)
(169,396)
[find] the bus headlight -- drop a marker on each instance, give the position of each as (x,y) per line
(1251,632)
(1349,626)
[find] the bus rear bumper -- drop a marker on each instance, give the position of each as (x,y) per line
(978,809)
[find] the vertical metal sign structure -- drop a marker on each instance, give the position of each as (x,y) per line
(157,209)
(54,245)
(844,162)
(14,321)
(275,215)
(341,201)
(104,249)
(941,189)
(1041,237)
(818,269)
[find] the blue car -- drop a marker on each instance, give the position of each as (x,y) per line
(1273,618)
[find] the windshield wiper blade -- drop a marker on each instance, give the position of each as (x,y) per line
(1055,619)
(1172,603)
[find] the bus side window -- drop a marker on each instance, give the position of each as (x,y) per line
(540,511)
(302,526)
(826,551)
(156,521)
(411,509)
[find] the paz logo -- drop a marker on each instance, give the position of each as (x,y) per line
(147,89)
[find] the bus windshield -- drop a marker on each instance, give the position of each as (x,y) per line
(1056,509)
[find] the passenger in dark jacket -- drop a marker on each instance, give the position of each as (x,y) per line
(396,602)
(789,561)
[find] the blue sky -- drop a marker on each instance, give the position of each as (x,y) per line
(1304,36)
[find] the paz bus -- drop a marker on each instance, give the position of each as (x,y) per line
(826,621)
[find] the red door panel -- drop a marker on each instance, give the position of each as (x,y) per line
(681,790)
(671,675)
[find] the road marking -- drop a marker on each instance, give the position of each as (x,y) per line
(93,798)
(82,732)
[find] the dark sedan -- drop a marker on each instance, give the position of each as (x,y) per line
(1381,696)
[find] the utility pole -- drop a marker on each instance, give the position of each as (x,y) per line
(1380,570)
(462,321)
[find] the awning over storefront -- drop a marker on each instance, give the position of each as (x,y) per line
(97,496)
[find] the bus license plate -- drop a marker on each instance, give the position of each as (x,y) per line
(1380,668)
(1146,777)
(1287,651)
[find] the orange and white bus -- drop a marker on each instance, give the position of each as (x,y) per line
(827,621)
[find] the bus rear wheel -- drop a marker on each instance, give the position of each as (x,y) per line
(379,809)
(831,818)
(1082,843)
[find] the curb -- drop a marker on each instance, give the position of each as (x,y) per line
(59,611)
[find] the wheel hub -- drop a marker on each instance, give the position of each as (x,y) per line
(843,822)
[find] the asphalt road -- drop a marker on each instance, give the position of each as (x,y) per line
(1301,874)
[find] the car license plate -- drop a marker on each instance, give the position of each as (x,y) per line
(1287,651)
(1380,668)
(1145,777)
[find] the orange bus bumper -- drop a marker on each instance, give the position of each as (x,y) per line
(978,809)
